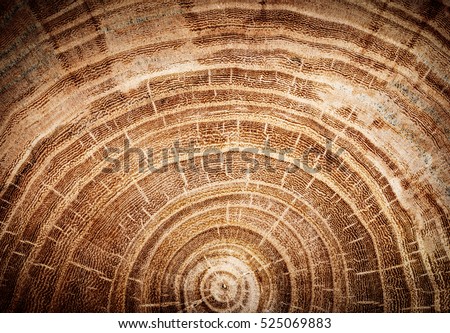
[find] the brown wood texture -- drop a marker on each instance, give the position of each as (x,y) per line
(361,86)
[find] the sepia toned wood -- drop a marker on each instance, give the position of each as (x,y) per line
(352,217)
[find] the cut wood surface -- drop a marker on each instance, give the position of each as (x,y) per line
(319,176)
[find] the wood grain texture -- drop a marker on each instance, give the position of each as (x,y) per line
(362,85)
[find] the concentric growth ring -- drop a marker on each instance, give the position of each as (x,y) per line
(223,156)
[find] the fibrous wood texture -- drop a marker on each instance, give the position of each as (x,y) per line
(361,86)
